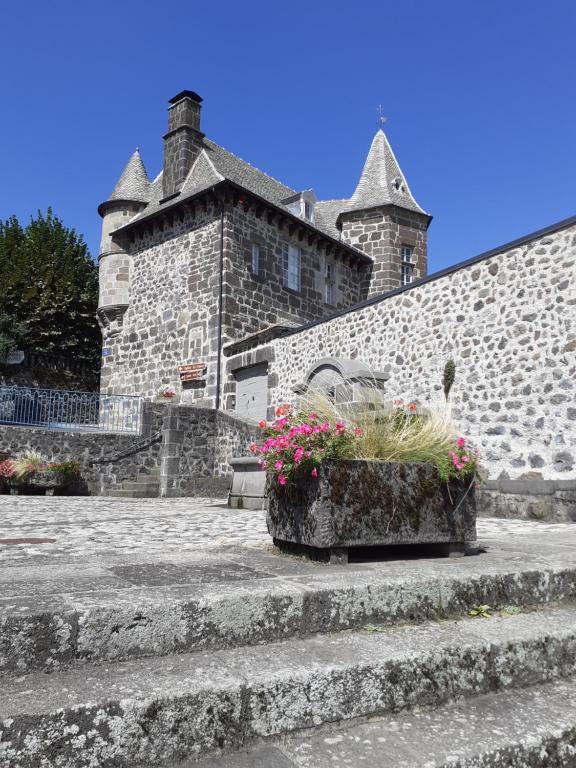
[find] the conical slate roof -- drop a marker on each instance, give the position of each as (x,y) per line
(134,183)
(382,182)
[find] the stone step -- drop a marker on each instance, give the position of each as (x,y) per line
(140,485)
(141,492)
(533,727)
(150,712)
(216,602)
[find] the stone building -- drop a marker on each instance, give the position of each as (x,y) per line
(213,251)
(214,263)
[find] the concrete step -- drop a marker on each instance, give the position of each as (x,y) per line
(533,727)
(136,610)
(150,712)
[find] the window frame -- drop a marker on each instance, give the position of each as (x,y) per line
(255,252)
(291,267)
(329,282)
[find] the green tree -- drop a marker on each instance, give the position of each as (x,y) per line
(49,287)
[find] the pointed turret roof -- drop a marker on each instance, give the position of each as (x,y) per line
(382,182)
(133,184)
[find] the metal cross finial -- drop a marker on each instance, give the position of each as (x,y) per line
(381,118)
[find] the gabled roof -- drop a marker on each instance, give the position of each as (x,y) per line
(382,182)
(133,184)
(215,164)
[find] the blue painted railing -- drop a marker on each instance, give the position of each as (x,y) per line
(64,410)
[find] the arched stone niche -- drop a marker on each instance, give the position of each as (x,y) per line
(341,379)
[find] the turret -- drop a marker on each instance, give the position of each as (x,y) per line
(383,219)
(130,195)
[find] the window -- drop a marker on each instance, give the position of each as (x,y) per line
(328,282)
(408,253)
(407,266)
(407,273)
(308,210)
(255,263)
(291,266)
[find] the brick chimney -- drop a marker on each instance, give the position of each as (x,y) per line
(183,142)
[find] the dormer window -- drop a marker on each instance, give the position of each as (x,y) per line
(398,185)
(308,210)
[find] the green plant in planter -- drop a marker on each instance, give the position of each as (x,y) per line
(29,463)
(69,469)
(296,442)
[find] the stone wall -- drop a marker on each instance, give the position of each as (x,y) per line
(172,314)
(106,460)
(171,317)
(507,318)
(197,446)
(544,500)
(190,446)
(255,301)
(381,233)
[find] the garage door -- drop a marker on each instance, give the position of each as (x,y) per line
(252,392)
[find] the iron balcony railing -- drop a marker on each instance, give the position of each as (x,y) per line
(64,410)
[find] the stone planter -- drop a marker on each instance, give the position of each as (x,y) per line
(357,503)
(43,480)
(248,484)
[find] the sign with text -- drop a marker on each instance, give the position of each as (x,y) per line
(192,371)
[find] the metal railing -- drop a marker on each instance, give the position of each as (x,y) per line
(66,411)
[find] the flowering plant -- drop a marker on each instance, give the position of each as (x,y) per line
(296,443)
(7,468)
(462,461)
(31,462)
(167,393)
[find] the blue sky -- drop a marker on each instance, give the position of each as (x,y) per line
(479,96)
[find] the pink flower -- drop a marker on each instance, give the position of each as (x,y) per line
(282,479)
(461,442)
(340,426)
(313,416)
(279,465)
(357,432)
(298,453)
(314,472)
(253,447)
(262,424)
(465,459)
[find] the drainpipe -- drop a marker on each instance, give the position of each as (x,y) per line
(220,307)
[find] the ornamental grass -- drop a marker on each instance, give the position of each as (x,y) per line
(400,431)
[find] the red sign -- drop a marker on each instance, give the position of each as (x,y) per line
(192,371)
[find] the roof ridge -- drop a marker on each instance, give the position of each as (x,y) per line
(209,141)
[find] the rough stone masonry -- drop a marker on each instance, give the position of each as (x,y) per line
(508,320)
(216,262)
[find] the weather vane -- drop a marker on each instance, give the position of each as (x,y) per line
(381,118)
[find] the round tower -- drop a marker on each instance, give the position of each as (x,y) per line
(130,196)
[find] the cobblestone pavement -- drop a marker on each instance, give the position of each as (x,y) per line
(96,526)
